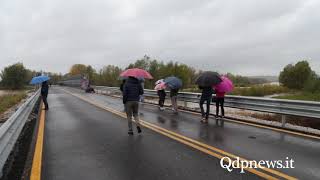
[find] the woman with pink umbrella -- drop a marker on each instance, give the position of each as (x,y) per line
(132,90)
(160,87)
(221,89)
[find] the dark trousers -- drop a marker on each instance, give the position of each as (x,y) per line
(132,108)
(45,101)
(208,101)
(162,97)
(220,102)
(161,101)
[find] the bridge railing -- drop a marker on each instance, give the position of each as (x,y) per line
(277,106)
(11,129)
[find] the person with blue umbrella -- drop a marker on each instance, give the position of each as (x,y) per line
(174,84)
(43,80)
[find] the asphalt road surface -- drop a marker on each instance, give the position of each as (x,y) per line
(85,141)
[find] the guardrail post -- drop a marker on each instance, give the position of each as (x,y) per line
(283,120)
(185,103)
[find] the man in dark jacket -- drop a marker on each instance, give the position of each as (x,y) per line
(206,96)
(132,90)
(44,94)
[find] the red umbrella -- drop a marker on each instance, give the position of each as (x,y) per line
(137,73)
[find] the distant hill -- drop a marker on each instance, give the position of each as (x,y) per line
(265,78)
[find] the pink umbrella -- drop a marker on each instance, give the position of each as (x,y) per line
(225,86)
(137,73)
(160,86)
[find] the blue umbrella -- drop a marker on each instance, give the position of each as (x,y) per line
(39,79)
(173,82)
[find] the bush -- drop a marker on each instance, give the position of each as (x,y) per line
(295,76)
(14,76)
(312,85)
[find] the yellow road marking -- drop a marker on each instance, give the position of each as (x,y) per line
(37,158)
(188,141)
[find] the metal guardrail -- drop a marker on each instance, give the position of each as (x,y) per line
(283,107)
(11,129)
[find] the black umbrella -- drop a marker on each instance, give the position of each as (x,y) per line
(208,79)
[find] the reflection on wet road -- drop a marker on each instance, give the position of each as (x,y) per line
(244,141)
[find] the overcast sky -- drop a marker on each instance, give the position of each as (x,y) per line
(248,37)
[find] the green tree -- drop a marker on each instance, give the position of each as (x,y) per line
(295,76)
(108,76)
(14,76)
(78,69)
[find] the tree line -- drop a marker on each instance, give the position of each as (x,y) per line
(297,76)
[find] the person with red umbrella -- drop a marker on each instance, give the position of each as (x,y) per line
(221,89)
(132,90)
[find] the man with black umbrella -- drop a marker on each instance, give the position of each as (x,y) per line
(205,81)
(206,96)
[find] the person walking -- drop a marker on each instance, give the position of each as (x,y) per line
(44,94)
(174,99)
(132,90)
(162,96)
(206,96)
(219,102)
(121,89)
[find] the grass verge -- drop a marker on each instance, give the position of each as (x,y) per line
(304,96)
(9,100)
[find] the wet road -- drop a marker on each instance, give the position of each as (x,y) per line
(245,141)
(82,141)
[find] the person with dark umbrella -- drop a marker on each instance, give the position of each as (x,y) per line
(205,82)
(206,96)
(44,94)
(174,85)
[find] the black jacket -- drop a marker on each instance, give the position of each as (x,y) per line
(44,88)
(132,90)
(121,85)
(206,92)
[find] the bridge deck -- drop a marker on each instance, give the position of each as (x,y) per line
(83,141)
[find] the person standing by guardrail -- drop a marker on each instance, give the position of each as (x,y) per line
(132,90)
(219,102)
(221,89)
(206,96)
(206,81)
(44,94)
(43,80)
(160,87)
(174,84)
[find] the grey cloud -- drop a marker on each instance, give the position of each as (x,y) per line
(247,37)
